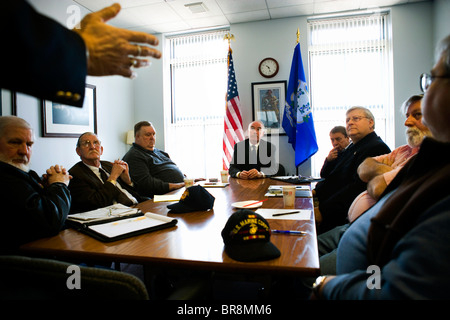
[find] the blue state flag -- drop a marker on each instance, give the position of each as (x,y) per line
(298,119)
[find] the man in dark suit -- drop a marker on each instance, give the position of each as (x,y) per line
(254,158)
(341,186)
(96,184)
(340,141)
(33,207)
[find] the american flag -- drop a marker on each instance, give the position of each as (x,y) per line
(233,131)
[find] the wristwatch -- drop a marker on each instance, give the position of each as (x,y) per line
(114,182)
(317,285)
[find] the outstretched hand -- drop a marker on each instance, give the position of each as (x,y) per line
(111,50)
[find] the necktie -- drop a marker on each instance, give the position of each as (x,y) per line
(121,197)
(253,154)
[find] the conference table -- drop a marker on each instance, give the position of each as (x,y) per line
(196,242)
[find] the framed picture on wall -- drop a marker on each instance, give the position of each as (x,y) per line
(59,120)
(268,100)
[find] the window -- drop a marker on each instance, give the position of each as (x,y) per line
(198,81)
(350,63)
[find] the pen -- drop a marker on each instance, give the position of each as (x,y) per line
(250,204)
(290,232)
(131,220)
(283,213)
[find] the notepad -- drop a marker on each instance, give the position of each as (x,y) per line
(149,221)
(166,197)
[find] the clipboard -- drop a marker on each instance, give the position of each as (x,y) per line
(121,227)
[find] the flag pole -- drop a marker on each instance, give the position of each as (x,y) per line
(298,41)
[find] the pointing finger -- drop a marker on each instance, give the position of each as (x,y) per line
(108,13)
(141,37)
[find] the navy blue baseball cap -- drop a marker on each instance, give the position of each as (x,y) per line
(246,236)
(195,198)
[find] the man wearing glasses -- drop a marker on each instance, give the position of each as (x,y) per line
(406,234)
(336,193)
(95,183)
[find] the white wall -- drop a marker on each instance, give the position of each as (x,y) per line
(148,93)
(413,54)
(441,20)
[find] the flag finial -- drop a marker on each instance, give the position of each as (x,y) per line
(298,35)
(229,37)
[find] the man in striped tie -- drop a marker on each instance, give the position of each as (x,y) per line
(95,183)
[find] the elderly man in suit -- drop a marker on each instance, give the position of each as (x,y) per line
(254,158)
(341,186)
(95,183)
(33,207)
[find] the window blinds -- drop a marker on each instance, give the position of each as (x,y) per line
(198,76)
(350,65)
(198,82)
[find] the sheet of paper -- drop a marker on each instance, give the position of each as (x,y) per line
(301,215)
(117,209)
(166,197)
(117,228)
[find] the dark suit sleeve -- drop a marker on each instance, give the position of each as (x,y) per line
(327,167)
(268,160)
(88,192)
(41,57)
(355,186)
(335,197)
(30,211)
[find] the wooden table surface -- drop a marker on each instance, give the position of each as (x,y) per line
(196,241)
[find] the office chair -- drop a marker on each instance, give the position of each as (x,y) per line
(41,279)
(281,170)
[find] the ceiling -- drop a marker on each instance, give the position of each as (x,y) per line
(168,16)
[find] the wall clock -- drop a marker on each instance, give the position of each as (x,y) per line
(268,67)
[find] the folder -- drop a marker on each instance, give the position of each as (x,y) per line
(118,222)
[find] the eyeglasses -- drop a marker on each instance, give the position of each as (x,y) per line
(87,143)
(354,119)
(427,79)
